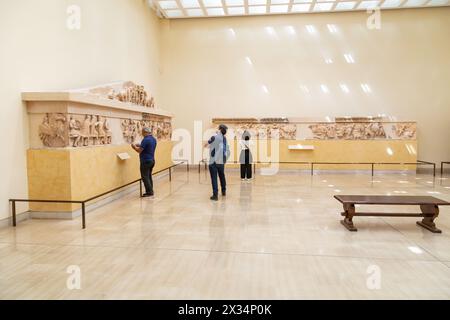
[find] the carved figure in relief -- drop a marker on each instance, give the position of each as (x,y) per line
(151,103)
(100,136)
(74,131)
(45,131)
(405,130)
(330,132)
(358,131)
(348,131)
(290,132)
(92,133)
(85,130)
(53,130)
(131,129)
(380,133)
(108,133)
(262,131)
(134,131)
(319,131)
(340,132)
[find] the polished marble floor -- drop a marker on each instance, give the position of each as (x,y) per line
(276,237)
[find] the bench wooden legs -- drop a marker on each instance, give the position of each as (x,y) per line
(431,212)
(349,212)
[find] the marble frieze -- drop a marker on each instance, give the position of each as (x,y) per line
(112,114)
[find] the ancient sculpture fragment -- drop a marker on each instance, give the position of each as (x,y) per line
(53,130)
(74,131)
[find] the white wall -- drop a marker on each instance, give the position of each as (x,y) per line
(118,40)
(406,63)
(196,68)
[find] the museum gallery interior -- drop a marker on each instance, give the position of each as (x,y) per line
(333,117)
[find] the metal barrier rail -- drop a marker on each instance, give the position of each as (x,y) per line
(442,166)
(312,164)
(83,202)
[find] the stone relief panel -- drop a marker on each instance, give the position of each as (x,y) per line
(360,128)
(348,131)
(405,131)
(59,130)
(131,129)
(262,131)
(53,130)
(126,92)
(89,130)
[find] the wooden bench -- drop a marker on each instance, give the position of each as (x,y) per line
(428,205)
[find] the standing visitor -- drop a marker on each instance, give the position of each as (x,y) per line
(146,150)
(246,159)
(219,152)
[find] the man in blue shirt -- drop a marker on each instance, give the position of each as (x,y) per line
(219,153)
(146,150)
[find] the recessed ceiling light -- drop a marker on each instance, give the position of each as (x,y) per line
(257,10)
(414,3)
(257,2)
(194,12)
(391,3)
(291,30)
(168,4)
(310,28)
(215,11)
(366,88)
(348,5)
(236,10)
(368,4)
(304,88)
(212,3)
(344,88)
(349,58)
(300,7)
(279,9)
(332,28)
(234,2)
(323,6)
(270,31)
(174,13)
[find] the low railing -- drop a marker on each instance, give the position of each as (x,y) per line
(442,166)
(313,164)
(83,202)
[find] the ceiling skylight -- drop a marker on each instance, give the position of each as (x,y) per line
(173,9)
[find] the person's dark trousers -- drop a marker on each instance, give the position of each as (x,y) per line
(246,168)
(246,171)
(218,170)
(146,175)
